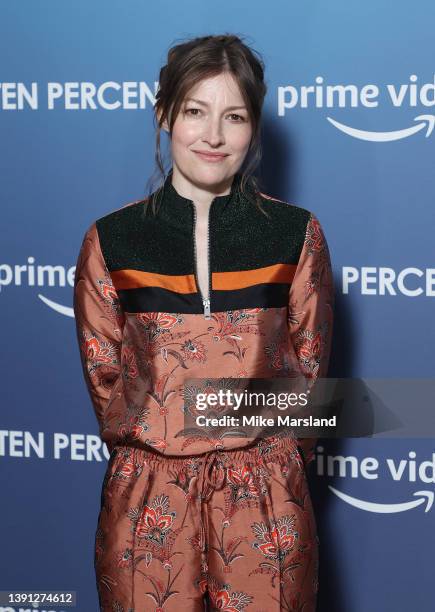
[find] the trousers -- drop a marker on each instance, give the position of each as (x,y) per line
(227,530)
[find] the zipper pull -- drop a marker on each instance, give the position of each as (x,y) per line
(206,302)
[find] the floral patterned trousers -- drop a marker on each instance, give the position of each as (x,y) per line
(228,530)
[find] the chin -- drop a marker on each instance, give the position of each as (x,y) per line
(212,176)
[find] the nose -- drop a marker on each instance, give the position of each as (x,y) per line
(213,133)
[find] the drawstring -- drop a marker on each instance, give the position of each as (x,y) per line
(212,478)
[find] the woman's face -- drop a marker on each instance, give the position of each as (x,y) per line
(213,118)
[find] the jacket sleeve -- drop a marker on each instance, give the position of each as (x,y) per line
(310,319)
(99,324)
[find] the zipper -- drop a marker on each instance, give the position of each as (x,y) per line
(206,302)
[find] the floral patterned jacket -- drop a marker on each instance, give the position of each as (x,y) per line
(144,327)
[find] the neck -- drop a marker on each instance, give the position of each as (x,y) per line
(201,196)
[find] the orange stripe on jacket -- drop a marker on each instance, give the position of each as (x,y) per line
(134,279)
(185,283)
(278,273)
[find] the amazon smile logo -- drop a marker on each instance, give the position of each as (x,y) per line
(406,95)
(31,275)
(425,121)
(403,470)
(60,308)
(423,497)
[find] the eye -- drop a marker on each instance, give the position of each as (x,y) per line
(188,110)
(240,118)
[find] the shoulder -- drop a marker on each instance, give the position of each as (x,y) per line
(124,220)
(285,212)
(114,228)
(127,211)
(292,220)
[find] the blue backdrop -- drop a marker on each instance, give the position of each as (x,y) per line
(347,134)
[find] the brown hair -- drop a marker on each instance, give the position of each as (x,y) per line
(203,57)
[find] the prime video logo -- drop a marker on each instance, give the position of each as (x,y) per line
(39,276)
(321,95)
(404,470)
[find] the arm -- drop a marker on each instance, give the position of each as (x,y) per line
(311,304)
(99,324)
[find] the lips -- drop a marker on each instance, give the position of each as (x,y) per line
(211,156)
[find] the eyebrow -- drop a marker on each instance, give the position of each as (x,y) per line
(205,104)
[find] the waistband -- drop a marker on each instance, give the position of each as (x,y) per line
(260,451)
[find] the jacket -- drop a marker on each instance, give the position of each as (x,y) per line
(144,327)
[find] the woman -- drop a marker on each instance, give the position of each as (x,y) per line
(206,278)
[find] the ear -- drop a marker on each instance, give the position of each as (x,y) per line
(165,125)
